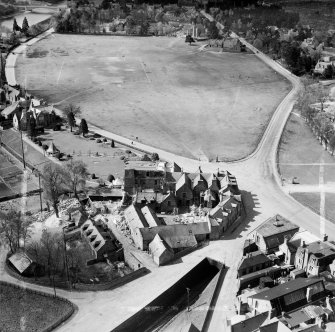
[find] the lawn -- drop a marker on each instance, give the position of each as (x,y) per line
(161,90)
(301,156)
(23,310)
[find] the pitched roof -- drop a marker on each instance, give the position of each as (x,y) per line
(296,317)
(250,324)
(21,261)
(52,148)
(135,217)
(151,217)
(286,288)
(253,260)
(10,109)
(158,246)
(275,225)
(276,326)
(180,241)
(182,181)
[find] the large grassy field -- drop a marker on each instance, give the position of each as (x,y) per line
(22,310)
(161,90)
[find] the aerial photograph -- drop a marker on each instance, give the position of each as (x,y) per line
(167,165)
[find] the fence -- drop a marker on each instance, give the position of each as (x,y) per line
(60,320)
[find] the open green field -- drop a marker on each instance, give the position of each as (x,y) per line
(302,156)
(23,310)
(161,90)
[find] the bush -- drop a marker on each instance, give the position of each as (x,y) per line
(98,140)
(145,157)
(39,143)
(57,127)
(110,178)
(128,151)
(76,133)
(45,147)
(95,135)
(104,140)
(154,156)
(92,139)
(93,176)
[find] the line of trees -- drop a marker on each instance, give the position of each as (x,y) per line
(321,122)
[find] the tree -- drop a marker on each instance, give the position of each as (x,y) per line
(332,144)
(74,175)
(83,128)
(13,39)
(31,127)
(154,156)
(16,26)
(189,39)
(15,228)
(25,26)
(113,144)
(212,31)
(52,185)
(70,111)
(145,157)
(290,53)
(329,72)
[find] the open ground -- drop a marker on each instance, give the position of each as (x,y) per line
(166,93)
(301,155)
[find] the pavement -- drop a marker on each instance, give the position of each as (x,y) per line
(263,196)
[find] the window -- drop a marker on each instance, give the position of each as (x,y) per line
(147,173)
(184,195)
(169,203)
(156,182)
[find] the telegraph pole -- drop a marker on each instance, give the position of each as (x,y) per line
(39,186)
(188,298)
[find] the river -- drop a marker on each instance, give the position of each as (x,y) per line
(32,18)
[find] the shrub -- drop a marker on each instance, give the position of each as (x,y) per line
(92,139)
(45,147)
(145,157)
(95,135)
(110,178)
(105,139)
(128,151)
(154,156)
(113,144)
(39,143)
(93,176)
(98,140)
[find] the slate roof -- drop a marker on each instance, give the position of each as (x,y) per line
(275,225)
(286,288)
(150,217)
(10,109)
(296,317)
(21,261)
(158,246)
(135,217)
(250,324)
(181,241)
(253,260)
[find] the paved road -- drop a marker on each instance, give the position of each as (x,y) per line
(257,176)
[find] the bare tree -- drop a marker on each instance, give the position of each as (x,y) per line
(74,176)
(70,111)
(52,185)
(15,228)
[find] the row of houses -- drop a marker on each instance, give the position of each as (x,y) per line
(166,186)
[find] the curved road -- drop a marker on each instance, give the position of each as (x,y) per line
(263,197)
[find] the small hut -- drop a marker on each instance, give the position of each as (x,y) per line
(52,150)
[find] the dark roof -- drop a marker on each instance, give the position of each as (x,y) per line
(275,225)
(286,288)
(320,249)
(253,260)
(296,317)
(250,324)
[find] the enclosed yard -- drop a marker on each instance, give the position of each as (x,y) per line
(23,310)
(161,90)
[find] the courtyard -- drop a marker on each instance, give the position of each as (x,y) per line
(168,94)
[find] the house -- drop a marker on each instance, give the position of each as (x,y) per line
(184,192)
(251,324)
(270,235)
(290,246)
(288,296)
(25,265)
(160,251)
(323,63)
(102,241)
(314,257)
(9,112)
(253,262)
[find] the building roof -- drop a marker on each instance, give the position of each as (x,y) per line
(135,217)
(253,260)
(21,261)
(320,249)
(296,317)
(180,241)
(286,288)
(184,179)
(149,197)
(151,217)
(275,225)
(274,326)
(10,109)
(158,246)
(52,148)
(142,165)
(250,324)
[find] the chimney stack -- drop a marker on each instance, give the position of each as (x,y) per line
(325,237)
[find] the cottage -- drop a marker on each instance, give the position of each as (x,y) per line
(314,257)
(160,251)
(288,296)
(270,235)
(254,261)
